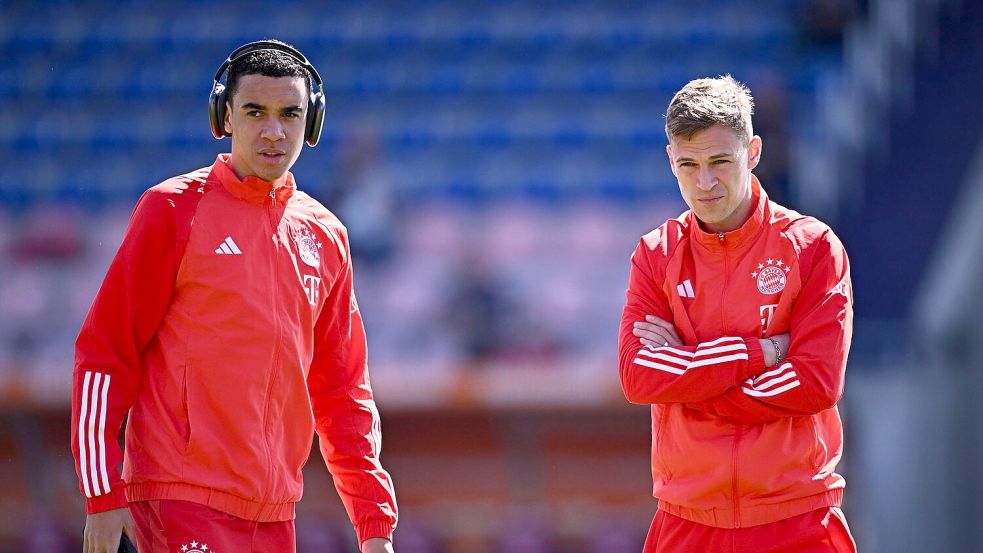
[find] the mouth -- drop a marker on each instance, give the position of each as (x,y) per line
(710,201)
(272,156)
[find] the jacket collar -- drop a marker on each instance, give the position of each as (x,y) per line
(737,237)
(252,188)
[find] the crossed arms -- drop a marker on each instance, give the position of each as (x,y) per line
(736,377)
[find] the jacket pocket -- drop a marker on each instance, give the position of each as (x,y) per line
(186,409)
(820,452)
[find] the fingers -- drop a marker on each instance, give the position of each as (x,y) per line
(667,326)
(654,335)
(111,545)
(99,544)
(88,541)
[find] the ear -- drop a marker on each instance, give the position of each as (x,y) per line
(754,152)
(228,117)
(672,166)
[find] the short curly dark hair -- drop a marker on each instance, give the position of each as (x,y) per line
(269,63)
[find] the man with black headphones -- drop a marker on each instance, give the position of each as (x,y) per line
(227,328)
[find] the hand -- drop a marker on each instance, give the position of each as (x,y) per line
(768,349)
(377,545)
(102,530)
(657,333)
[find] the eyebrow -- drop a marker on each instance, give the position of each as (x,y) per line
(252,105)
(713,157)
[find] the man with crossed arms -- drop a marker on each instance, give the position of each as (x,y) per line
(736,331)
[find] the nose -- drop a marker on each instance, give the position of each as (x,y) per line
(705,180)
(272,130)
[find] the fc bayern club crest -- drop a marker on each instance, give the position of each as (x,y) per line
(195,547)
(308,247)
(771,276)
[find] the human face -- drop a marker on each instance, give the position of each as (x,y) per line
(713,168)
(267,117)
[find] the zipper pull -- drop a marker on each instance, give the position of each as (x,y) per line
(720,236)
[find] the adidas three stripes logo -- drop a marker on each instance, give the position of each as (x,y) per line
(228,247)
(92,434)
(685,289)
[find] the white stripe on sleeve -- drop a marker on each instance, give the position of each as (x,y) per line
(771,383)
(715,360)
(707,353)
(83,458)
(102,434)
(659,366)
(771,373)
(90,430)
(720,340)
(767,393)
(701,352)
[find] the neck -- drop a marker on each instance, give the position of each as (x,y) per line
(242,174)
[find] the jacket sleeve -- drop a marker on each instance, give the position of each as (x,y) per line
(121,322)
(810,379)
(675,374)
(345,413)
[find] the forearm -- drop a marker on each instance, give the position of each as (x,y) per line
(350,442)
(684,374)
(802,384)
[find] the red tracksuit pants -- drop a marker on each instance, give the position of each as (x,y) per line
(821,531)
(170,526)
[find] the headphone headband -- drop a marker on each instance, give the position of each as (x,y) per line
(261,45)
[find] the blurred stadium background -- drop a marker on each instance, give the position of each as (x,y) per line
(496,162)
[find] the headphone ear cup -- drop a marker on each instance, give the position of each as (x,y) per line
(216,111)
(315,119)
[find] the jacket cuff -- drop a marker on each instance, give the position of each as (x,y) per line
(374,529)
(755,359)
(115,499)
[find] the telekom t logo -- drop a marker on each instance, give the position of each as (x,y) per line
(311,285)
(767,312)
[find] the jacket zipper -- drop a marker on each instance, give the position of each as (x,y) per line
(739,428)
(276,345)
(723,290)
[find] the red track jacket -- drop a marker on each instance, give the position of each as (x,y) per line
(736,444)
(227,326)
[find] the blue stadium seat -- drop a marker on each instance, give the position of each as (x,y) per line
(461,85)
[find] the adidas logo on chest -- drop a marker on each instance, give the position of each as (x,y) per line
(228,247)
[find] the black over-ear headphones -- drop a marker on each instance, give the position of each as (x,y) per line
(315,104)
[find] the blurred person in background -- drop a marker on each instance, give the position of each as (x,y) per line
(736,331)
(365,195)
(227,328)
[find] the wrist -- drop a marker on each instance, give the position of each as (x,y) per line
(376,545)
(776,351)
(757,359)
(115,499)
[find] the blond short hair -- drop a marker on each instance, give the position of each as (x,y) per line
(703,103)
